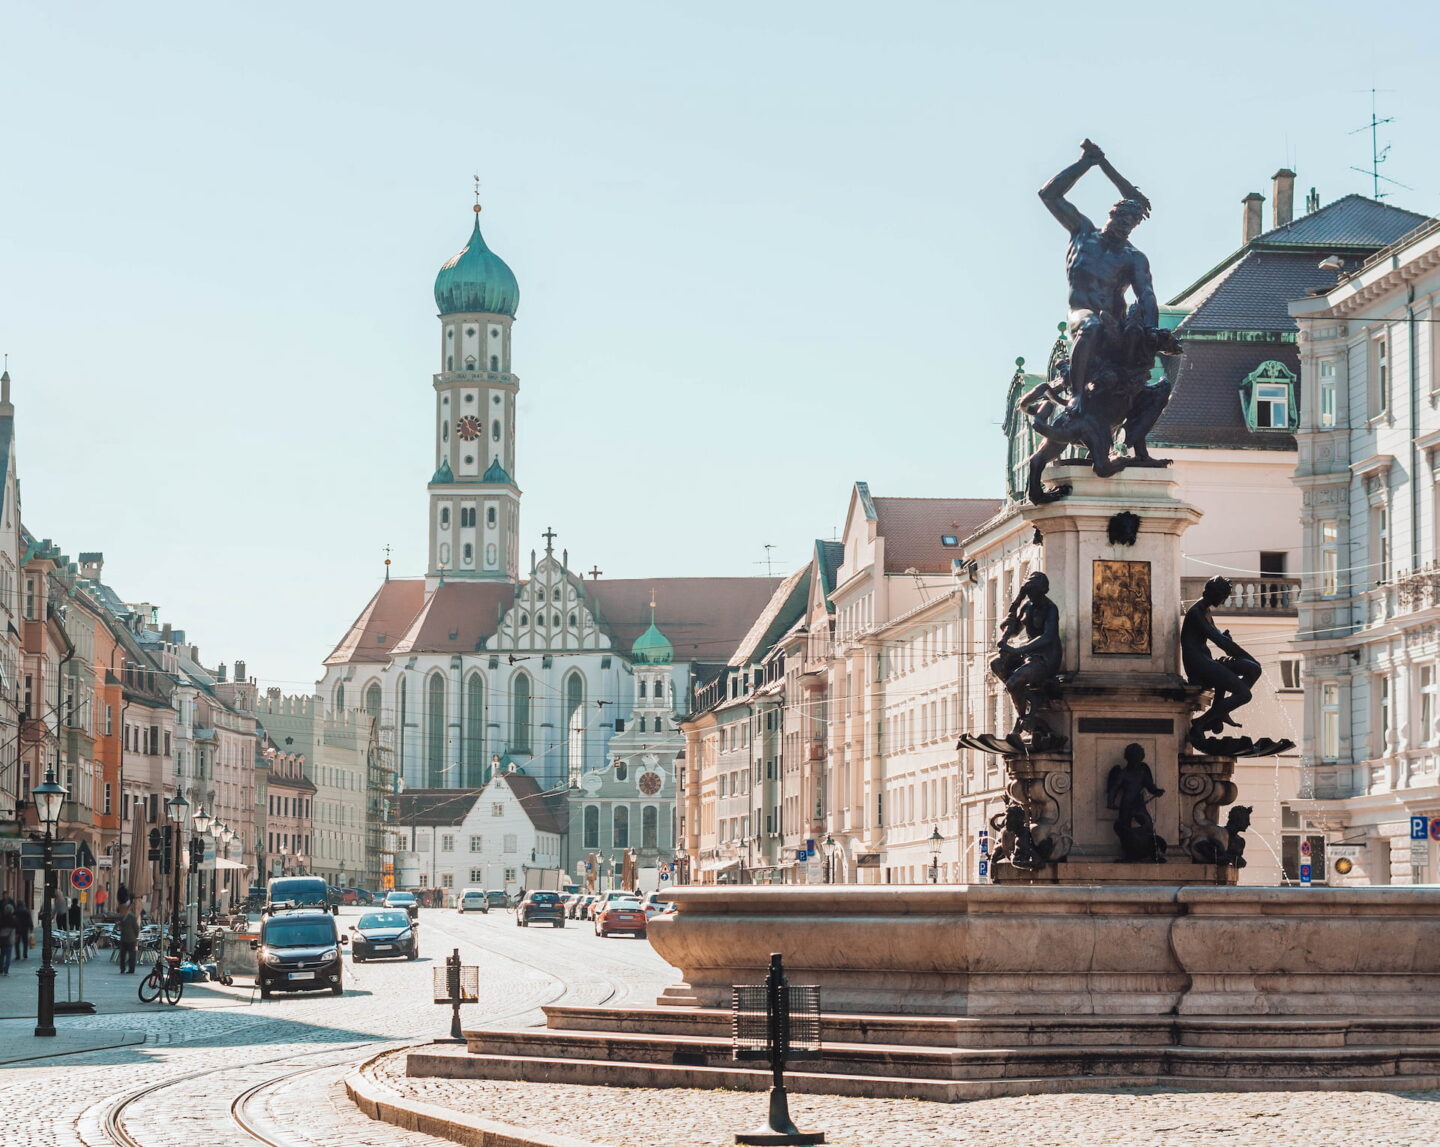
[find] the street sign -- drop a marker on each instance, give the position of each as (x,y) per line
(1419,827)
(82,878)
(1419,853)
(1435,829)
(1343,851)
(37,863)
(1305,875)
(1304,848)
(664,876)
(57,848)
(87,858)
(801,855)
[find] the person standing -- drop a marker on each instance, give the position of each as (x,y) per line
(129,938)
(24,927)
(7,934)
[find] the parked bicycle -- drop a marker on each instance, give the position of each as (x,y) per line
(163,979)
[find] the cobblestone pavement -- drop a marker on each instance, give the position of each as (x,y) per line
(204,1059)
(683,1118)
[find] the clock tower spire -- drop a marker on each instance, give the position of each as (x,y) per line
(474,501)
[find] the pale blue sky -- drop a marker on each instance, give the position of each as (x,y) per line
(764,249)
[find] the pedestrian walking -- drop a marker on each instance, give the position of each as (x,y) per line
(129,938)
(73,916)
(7,934)
(24,928)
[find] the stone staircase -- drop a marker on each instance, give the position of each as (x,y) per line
(955,1058)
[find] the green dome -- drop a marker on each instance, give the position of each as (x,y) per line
(476,280)
(652,648)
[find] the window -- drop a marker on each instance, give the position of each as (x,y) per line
(590,821)
(497,809)
(447,880)
(1380,553)
(520,713)
(621,825)
(474,742)
(1290,673)
(949,540)
(509,876)
(1290,856)
(490,515)
(109,793)
(511,843)
(649,827)
(467,516)
(1378,390)
(1327,394)
(444,517)
(1272,407)
(435,729)
(447,843)
(574,724)
(495,430)
(1427,704)
(1329,558)
(1384,714)
(477,876)
(1266,397)
(494,362)
(622,770)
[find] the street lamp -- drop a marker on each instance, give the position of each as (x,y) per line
(48,797)
(202,821)
(829,845)
(935,841)
(176,806)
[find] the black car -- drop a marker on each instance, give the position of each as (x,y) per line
(544,906)
(386,934)
(299,951)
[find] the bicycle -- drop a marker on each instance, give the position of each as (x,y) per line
(163,979)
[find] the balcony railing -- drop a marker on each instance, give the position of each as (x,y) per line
(1257,597)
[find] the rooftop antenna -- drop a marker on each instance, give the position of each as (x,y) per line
(1378,154)
(769,560)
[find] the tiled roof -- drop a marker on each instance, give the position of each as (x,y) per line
(704,617)
(912,528)
(381,623)
(1255,295)
(456,616)
(785,607)
(828,556)
(546,812)
(1205,410)
(434,807)
(1350,221)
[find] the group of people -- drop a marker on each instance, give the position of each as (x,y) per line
(16,927)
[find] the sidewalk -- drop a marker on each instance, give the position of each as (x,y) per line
(105,987)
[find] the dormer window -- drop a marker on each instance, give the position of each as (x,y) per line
(1267,398)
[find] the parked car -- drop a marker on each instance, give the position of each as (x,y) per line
(577,906)
(473,900)
(405,900)
(653,905)
(385,934)
(299,951)
(620,916)
(606,897)
(497,898)
(348,896)
(540,905)
(365,896)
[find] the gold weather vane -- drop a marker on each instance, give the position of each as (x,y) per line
(477,193)
(387,563)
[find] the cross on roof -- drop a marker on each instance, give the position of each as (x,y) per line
(595,572)
(549,535)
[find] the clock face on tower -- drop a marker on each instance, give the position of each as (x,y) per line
(468,428)
(650,783)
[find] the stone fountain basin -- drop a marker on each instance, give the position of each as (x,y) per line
(1003,950)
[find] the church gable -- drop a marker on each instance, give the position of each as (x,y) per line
(550,613)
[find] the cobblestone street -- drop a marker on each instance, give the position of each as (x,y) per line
(233,1070)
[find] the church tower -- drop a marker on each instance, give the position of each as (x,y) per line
(474,502)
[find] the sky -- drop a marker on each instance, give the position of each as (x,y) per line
(764,250)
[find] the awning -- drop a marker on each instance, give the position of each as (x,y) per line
(224,865)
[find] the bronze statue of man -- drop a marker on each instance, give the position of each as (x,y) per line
(1027,668)
(1126,791)
(1231,677)
(1100,265)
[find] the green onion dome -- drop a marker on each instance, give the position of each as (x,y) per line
(652,647)
(476,280)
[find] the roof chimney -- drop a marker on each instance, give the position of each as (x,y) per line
(1284,192)
(239,672)
(1253,203)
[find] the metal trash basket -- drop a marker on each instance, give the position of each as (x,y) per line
(456,985)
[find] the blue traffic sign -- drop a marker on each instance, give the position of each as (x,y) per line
(1419,827)
(1304,874)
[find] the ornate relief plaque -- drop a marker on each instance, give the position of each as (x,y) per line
(1120,607)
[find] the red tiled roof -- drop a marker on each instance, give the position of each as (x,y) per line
(456,616)
(381,623)
(704,617)
(546,813)
(912,528)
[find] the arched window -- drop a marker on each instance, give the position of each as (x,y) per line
(520,713)
(340,696)
(642,688)
(372,700)
(467,553)
(444,517)
(622,827)
(649,827)
(574,725)
(622,770)
(495,430)
(475,731)
(404,696)
(494,362)
(435,729)
(591,834)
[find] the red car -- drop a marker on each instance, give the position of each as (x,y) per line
(620,916)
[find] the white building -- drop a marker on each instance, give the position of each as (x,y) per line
(1370,614)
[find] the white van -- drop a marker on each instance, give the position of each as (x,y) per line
(473,900)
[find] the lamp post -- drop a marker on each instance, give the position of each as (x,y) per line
(176,807)
(48,797)
(225,836)
(829,845)
(202,821)
(935,841)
